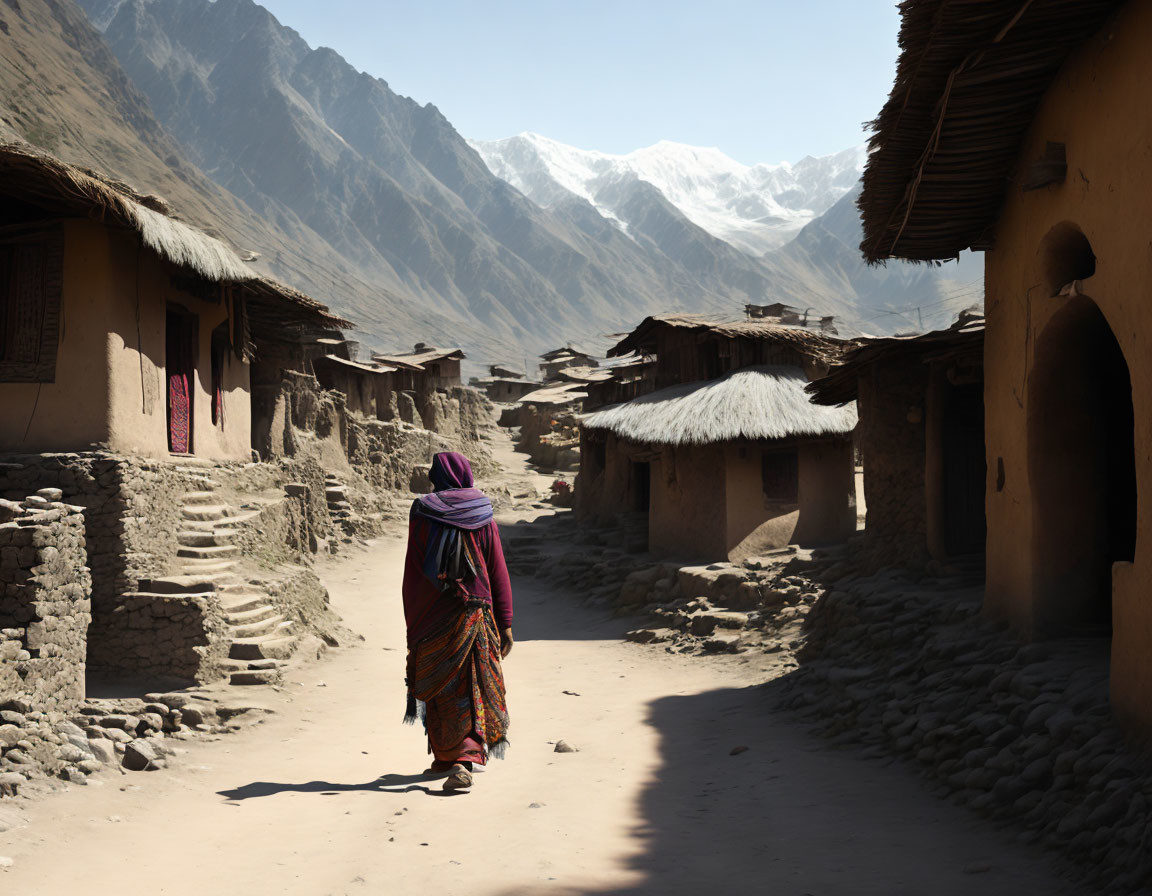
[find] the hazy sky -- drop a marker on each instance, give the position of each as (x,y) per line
(763,80)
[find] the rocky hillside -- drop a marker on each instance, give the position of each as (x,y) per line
(388,183)
(62,89)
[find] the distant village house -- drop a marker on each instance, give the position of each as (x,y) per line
(921,436)
(727,457)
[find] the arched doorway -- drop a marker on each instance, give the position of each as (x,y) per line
(1082,469)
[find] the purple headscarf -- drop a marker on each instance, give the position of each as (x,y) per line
(455,502)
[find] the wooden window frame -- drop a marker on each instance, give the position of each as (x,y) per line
(39,365)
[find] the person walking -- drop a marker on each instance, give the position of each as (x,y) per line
(458,612)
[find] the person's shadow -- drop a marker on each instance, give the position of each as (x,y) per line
(383,784)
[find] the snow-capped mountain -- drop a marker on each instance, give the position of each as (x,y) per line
(754,208)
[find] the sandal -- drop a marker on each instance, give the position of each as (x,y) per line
(458,779)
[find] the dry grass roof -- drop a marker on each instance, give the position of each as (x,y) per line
(557,354)
(555,394)
(751,403)
(357,366)
(34,177)
(642,340)
(968,80)
(586,374)
(416,360)
(963,341)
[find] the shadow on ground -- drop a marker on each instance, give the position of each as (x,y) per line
(790,816)
(383,784)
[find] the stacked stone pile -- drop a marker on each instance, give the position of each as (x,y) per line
(132,734)
(757,605)
(45,605)
(339,507)
(1021,733)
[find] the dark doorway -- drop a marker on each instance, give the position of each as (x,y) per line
(180,365)
(1082,469)
(641,486)
(964,469)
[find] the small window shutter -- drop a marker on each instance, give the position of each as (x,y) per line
(32,272)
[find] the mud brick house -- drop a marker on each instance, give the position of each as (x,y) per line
(122,326)
(1023,131)
(504,388)
(362,384)
(726,457)
(629,377)
(793,317)
(920,400)
(426,368)
(125,345)
(552,362)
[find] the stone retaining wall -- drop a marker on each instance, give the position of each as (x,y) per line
(45,606)
(178,638)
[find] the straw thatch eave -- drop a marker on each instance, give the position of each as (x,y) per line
(963,341)
(969,78)
(35,178)
(753,403)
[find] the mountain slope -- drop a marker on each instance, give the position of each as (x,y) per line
(700,207)
(388,183)
(61,88)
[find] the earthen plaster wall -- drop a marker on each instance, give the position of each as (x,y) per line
(1097,107)
(891,436)
(825,509)
(603,492)
(688,514)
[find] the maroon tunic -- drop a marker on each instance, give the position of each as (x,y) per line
(424,605)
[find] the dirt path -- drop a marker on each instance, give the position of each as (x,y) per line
(324,797)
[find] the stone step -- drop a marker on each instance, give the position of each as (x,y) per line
(268,625)
(178,585)
(195,567)
(250,615)
(206,538)
(242,603)
(212,552)
(199,497)
(255,677)
(205,512)
(174,598)
(230,666)
(275,646)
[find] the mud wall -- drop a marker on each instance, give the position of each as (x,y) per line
(1097,107)
(892,442)
(688,512)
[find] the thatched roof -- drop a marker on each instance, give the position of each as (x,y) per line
(750,403)
(969,78)
(964,341)
(566,351)
(642,340)
(586,374)
(36,178)
(355,366)
(555,394)
(424,354)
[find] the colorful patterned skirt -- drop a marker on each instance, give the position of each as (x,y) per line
(454,673)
